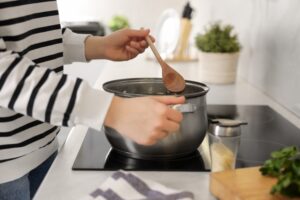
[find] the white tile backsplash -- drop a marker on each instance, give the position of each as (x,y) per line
(268,29)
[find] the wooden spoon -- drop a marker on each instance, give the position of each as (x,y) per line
(173,81)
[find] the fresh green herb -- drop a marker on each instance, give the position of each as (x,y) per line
(118,22)
(218,39)
(285,165)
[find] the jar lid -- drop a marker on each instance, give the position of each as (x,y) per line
(227,122)
(225,127)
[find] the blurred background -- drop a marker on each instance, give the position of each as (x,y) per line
(269,32)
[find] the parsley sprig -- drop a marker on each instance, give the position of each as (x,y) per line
(285,165)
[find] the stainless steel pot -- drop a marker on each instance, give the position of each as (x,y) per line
(192,129)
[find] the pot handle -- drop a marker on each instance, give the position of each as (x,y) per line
(185,108)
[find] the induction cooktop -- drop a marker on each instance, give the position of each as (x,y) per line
(266,131)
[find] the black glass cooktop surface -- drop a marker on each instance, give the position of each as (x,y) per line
(266,131)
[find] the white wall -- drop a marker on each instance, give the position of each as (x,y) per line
(141,13)
(270,35)
(268,29)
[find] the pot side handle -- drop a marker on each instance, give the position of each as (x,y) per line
(185,108)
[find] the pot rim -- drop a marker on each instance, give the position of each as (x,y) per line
(147,79)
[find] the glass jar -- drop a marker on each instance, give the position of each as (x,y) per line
(224,140)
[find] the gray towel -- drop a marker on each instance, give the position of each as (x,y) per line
(128,186)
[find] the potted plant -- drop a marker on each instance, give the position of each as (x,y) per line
(218,54)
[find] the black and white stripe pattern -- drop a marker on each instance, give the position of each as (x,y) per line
(126,186)
(32,89)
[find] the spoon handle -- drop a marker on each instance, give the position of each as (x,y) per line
(154,50)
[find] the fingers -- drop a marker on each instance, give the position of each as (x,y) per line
(132,50)
(140,35)
(168,100)
(171,126)
(138,46)
(148,142)
(137,33)
(144,43)
(166,128)
(174,115)
(167,119)
(151,37)
(163,130)
(159,135)
(137,39)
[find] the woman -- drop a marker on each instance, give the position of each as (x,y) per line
(36,98)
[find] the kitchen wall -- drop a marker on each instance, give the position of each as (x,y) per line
(141,13)
(268,29)
(270,34)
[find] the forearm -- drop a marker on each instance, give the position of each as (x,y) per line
(47,96)
(94,47)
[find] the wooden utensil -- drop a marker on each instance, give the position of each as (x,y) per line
(243,184)
(173,81)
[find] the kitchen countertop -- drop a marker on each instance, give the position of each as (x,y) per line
(63,183)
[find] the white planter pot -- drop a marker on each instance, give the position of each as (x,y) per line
(218,68)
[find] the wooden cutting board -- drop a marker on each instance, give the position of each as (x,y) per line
(242,184)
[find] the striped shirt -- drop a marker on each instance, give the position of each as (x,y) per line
(36,98)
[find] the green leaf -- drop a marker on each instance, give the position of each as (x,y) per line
(218,39)
(118,22)
(285,165)
(287,152)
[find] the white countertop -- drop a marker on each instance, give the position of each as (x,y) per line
(63,183)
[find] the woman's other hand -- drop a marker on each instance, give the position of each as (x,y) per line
(145,120)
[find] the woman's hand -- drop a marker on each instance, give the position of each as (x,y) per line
(144,119)
(121,45)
